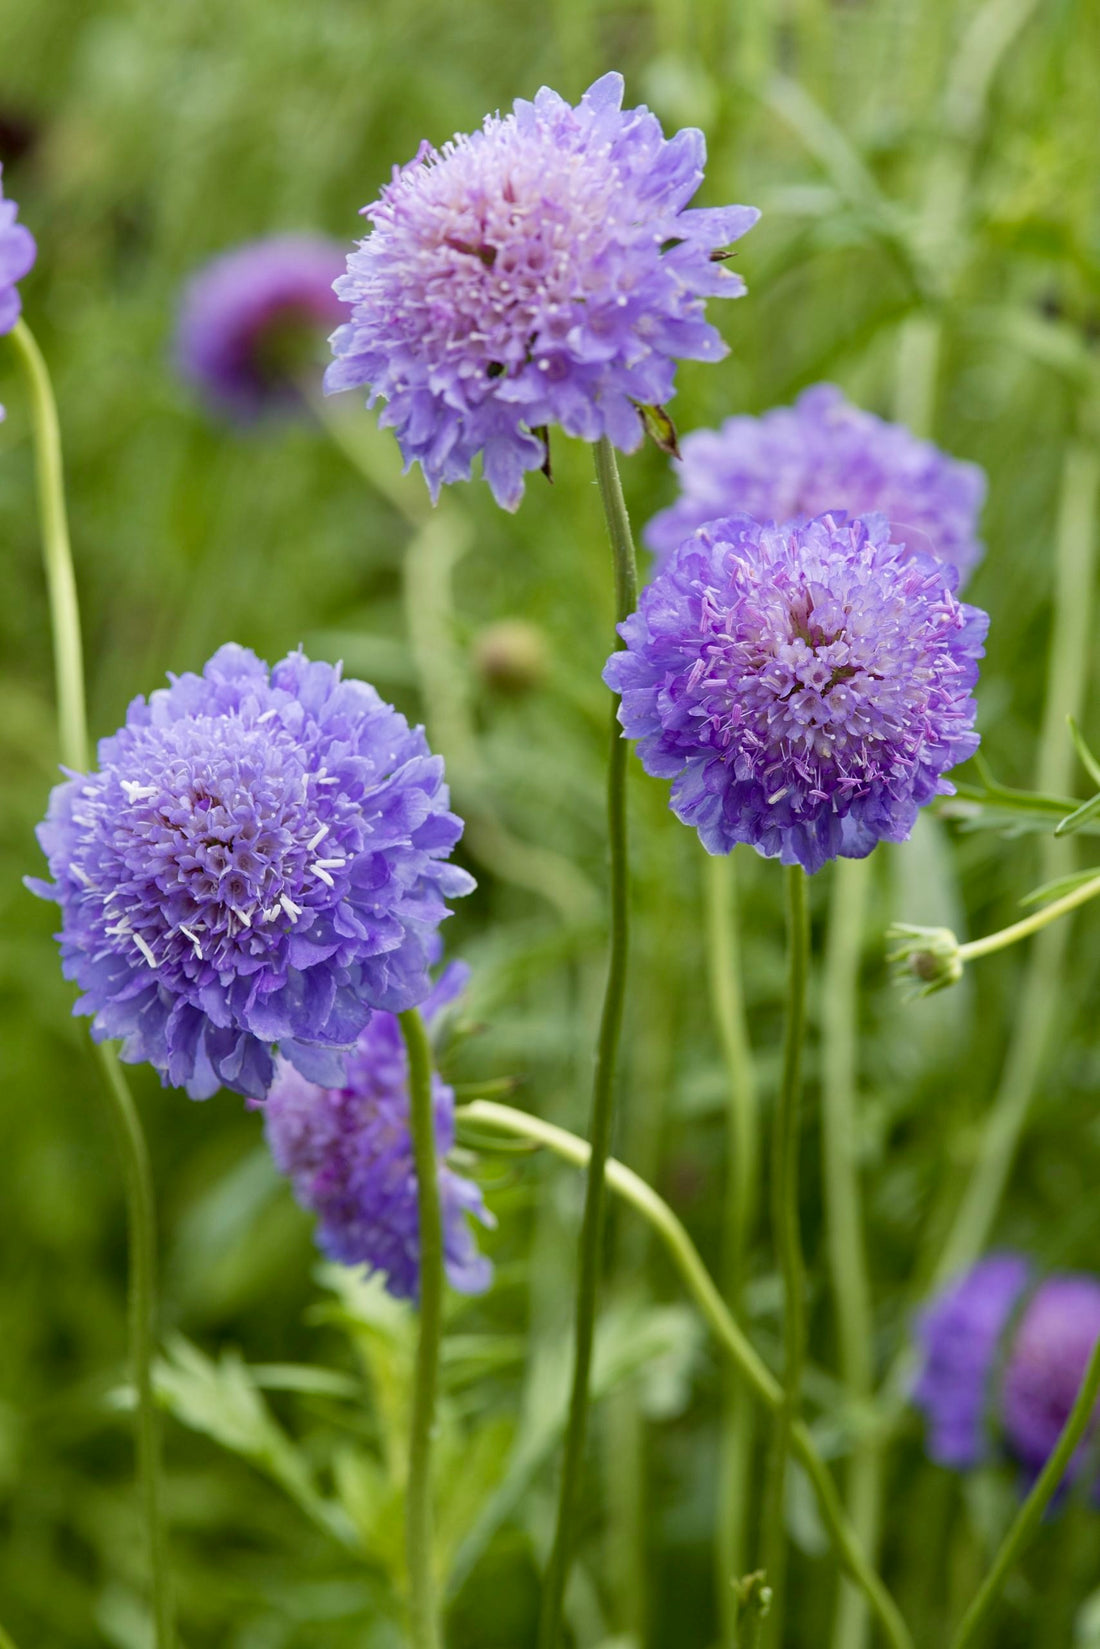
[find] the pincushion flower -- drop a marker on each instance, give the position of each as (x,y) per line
(17,254)
(349,1155)
(258,860)
(1002,1360)
(543,270)
(825,454)
(252,320)
(805,687)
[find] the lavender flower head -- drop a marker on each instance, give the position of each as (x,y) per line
(257,861)
(1046,1364)
(251,321)
(349,1154)
(804,687)
(543,270)
(17,254)
(960,1335)
(825,454)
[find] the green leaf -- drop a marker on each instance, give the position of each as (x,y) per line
(1062,884)
(1087,759)
(1081,816)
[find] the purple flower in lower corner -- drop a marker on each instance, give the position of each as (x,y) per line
(348,1153)
(805,687)
(253,320)
(258,861)
(17,255)
(543,270)
(825,454)
(1046,1363)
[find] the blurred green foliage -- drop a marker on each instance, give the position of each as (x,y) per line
(927,172)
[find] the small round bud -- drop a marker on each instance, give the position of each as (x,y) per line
(511,656)
(926,959)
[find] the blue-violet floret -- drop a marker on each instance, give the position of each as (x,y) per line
(543,270)
(259,859)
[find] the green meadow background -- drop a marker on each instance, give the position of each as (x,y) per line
(931,241)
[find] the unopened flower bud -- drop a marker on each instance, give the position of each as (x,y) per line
(926,959)
(511,656)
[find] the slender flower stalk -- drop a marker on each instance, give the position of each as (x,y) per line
(603,1092)
(72,722)
(1030,924)
(737,1426)
(6,1642)
(844,1244)
(732,1339)
(788,1244)
(423,1617)
(1026,1522)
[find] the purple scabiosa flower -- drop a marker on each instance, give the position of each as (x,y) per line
(258,860)
(349,1154)
(1046,1363)
(17,254)
(544,270)
(252,319)
(804,687)
(960,1335)
(825,454)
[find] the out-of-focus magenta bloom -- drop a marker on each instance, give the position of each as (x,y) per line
(543,270)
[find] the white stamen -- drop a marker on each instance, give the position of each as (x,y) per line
(315,840)
(144,949)
(778,795)
(137,792)
(267,715)
(81,874)
(291,909)
(329,864)
(194,938)
(319,870)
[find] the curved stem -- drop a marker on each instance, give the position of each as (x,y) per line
(423,1617)
(728,1011)
(732,1339)
(1030,924)
(843,1209)
(788,1244)
(141,1220)
(1028,1518)
(603,1091)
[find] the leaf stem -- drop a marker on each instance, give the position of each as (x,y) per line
(730,1336)
(74,745)
(603,1092)
(1030,924)
(423,1615)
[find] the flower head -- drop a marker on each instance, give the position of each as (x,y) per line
(823,454)
(1046,1363)
(252,319)
(543,270)
(960,1335)
(17,254)
(349,1155)
(804,687)
(258,860)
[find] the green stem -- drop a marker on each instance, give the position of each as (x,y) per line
(728,1010)
(1030,924)
(6,1642)
(423,1617)
(788,1245)
(603,1092)
(843,1209)
(732,1339)
(1028,1518)
(69,670)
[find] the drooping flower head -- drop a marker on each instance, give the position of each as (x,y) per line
(823,454)
(253,320)
(349,1154)
(17,254)
(543,270)
(258,860)
(1002,1360)
(804,687)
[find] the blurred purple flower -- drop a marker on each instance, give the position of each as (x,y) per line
(17,254)
(804,687)
(960,1335)
(258,860)
(252,320)
(543,270)
(1046,1364)
(348,1152)
(823,454)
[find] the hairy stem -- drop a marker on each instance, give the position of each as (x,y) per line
(423,1617)
(137,1178)
(603,1092)
(732,1339)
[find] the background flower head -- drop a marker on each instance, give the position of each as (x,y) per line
(349,1154)
(259,859)
(805,687)
(543,270)
(252,319)
(1045,1366)
(824,454)
(17,254)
